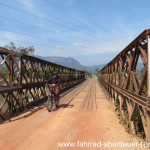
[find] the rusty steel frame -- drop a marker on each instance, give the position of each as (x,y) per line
(148,73)
(129,87)
(23,79)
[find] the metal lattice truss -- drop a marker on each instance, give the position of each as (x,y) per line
(126,80)
(23,79)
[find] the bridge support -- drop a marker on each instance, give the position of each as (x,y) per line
(148,68)
(133,84)
(23,81)
(148,127)
(148,87)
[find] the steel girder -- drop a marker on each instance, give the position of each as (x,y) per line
(23,79)
(126,80)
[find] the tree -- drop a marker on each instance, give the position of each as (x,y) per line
(97,71)
(88,73)
(11,46)
(22,50)
(31,50)
(26,50)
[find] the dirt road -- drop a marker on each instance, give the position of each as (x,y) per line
(85,116)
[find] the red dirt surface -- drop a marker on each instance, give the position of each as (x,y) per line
(88,117)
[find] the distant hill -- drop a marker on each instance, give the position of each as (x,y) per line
(69,62)
(72,63)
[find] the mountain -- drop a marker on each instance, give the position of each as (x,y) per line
(72,63)
(69,62)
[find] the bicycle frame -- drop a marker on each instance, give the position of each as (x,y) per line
(53,96)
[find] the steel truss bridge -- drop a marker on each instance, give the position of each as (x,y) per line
(125,80)
(127,86)
(23,79)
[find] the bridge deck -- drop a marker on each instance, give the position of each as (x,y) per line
(85,114)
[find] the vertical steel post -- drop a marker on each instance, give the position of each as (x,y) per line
(11,74)
(148,69)
(148,89)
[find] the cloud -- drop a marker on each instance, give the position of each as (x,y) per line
(86,38)
(77,44)
(10,36)
(58,46)
(100,47)
(29,5)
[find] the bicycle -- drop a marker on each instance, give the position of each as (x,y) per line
(53,96)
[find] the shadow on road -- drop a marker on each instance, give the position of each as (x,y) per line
(65,106)
(62,106)
(33,110)
(25,113)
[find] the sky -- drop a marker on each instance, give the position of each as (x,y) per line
(90,31)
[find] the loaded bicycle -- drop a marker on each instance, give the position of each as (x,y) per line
(53,97)
(54,91)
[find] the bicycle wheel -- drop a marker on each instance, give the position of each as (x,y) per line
(50,101)
(56,101)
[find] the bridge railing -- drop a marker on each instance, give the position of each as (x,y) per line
(127,81)
(23,79)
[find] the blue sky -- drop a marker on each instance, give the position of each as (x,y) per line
(91,31)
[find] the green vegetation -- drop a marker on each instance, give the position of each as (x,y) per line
(87,73)
(4,70)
